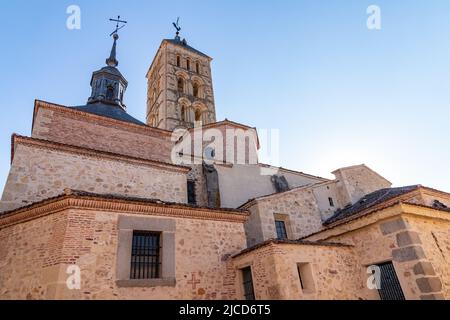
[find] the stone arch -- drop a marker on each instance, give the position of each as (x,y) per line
(200,112)
(198,87)
(185,106)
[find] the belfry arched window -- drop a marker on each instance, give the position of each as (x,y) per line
(181,85)
(198,115)
(196,89)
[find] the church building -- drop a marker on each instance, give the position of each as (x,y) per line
(101,205)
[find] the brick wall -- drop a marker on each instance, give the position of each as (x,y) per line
(37,174)
(78,129)
(89,239)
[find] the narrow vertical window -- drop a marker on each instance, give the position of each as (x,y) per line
(331,201)
(192,197)
(188,64)
(281,229)
(247,279)
(196,89)
(306,277)
(390,285)
(183,113)
(145,255)
(180,85)
(178,61)
(197,67)
(110,93)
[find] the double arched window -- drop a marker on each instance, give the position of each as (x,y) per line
(188,64)
(196,90)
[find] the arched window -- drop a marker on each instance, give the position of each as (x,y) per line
(198,115)
(188,64)
(110,92)
(197,67)
(178,61)
(196,89)
(181,85)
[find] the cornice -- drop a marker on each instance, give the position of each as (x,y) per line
(124,206)
(44,144)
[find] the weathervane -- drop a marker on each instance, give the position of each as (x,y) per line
(177,26)
(118,26)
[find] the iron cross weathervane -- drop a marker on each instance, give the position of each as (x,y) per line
(177,26)
(118,26)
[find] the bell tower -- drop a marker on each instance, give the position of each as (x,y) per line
(180,91)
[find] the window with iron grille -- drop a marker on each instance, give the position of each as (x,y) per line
(192,197)
(281,229)
(145,255)
(390,286)
(247,278)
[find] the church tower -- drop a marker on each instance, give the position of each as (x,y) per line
(180,92)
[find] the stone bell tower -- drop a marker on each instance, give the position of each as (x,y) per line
(180,92)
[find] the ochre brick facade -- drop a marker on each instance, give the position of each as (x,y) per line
(61,124)
(35,256)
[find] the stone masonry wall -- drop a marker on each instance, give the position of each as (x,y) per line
(299,205)
(275,274)
(83,131)
(356,182)
(89,240)
(418,249)
(37,174)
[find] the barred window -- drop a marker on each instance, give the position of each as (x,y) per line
(247,278)
(281,229)
(145,255)
(192,197)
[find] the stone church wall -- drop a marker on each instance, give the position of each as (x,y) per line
(30,257)
(355,182)
(302,215)
(417,247)
(35,256)
(37,174)
(276,277)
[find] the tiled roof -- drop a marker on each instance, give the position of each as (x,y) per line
(109,111)
(369,201)
(119,197)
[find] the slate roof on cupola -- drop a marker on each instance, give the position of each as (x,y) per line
(108,88)
(369,201)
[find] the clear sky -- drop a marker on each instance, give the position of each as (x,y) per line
(340,94)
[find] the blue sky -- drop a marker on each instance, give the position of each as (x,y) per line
(339,93)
